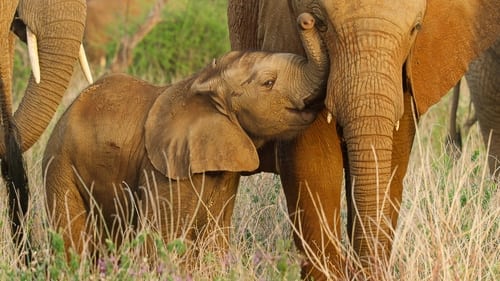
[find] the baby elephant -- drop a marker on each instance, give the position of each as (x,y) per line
(127,152)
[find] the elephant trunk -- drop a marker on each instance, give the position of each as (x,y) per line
(58,26)
(316,69)
(369,149)
(367,100)
(7,11)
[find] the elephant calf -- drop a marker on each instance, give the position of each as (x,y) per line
(172,156)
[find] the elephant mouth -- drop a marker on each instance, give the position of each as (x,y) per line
(307,114)
(303,117)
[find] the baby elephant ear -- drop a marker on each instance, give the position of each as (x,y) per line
(191,137)
(206,80)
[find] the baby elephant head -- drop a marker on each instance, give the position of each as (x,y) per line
(271,95)
(235,105)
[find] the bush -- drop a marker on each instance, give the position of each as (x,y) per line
(186,40)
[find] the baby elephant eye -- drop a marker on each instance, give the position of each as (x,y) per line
(269,84)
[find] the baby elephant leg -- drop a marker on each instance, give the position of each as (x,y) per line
(198,210)
(164,208)
(219,201)
(66,207)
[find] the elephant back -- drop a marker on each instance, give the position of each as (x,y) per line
(103,128)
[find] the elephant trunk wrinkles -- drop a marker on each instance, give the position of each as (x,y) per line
(59,37)
(316,69)
(367,113)
(370,154)
(365,94)
(7,10)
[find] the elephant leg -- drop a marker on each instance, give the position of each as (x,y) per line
(311,174)
(219,202)
(484,87)
(159,210)
(67,208)
(198,210)
(160,202)
(402,143)
(491,139)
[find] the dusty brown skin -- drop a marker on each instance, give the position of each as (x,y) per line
(483,79)
(121,133)
(384,56)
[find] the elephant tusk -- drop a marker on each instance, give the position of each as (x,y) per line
(33,54)
(397,126)
(84,63)
(329,117)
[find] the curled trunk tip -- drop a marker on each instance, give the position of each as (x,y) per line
(306,21)
(315,48)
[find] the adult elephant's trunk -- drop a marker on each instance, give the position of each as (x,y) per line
(369,148)
(366,96)
(316,52)
(315,71)
(58,26)
(7,11)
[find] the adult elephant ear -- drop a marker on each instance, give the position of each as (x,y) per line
(452,34)
(190,135)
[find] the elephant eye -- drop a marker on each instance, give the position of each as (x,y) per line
(269,84)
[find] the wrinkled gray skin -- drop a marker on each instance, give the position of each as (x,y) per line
(483,79)
(170,146)
(58,26)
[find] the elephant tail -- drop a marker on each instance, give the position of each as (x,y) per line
(14,175)
(454,138)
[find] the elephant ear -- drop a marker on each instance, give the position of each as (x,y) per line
(452,34)
(188,135)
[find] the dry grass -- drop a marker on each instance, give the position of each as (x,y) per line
(449,228)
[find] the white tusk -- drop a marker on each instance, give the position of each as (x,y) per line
(214,63)
(84,63)
(329,117)
(397,125)
(33,54)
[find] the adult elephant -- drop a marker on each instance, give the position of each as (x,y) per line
(484,86)
(55,27)
(387,60)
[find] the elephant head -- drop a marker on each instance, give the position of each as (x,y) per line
(382,54)
(259,95)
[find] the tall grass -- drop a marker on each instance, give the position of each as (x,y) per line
(449,227)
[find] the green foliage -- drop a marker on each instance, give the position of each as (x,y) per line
(186,40)
(59,264)
(177,246)
(22,72)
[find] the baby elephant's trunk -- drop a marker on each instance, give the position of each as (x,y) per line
(316,69)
